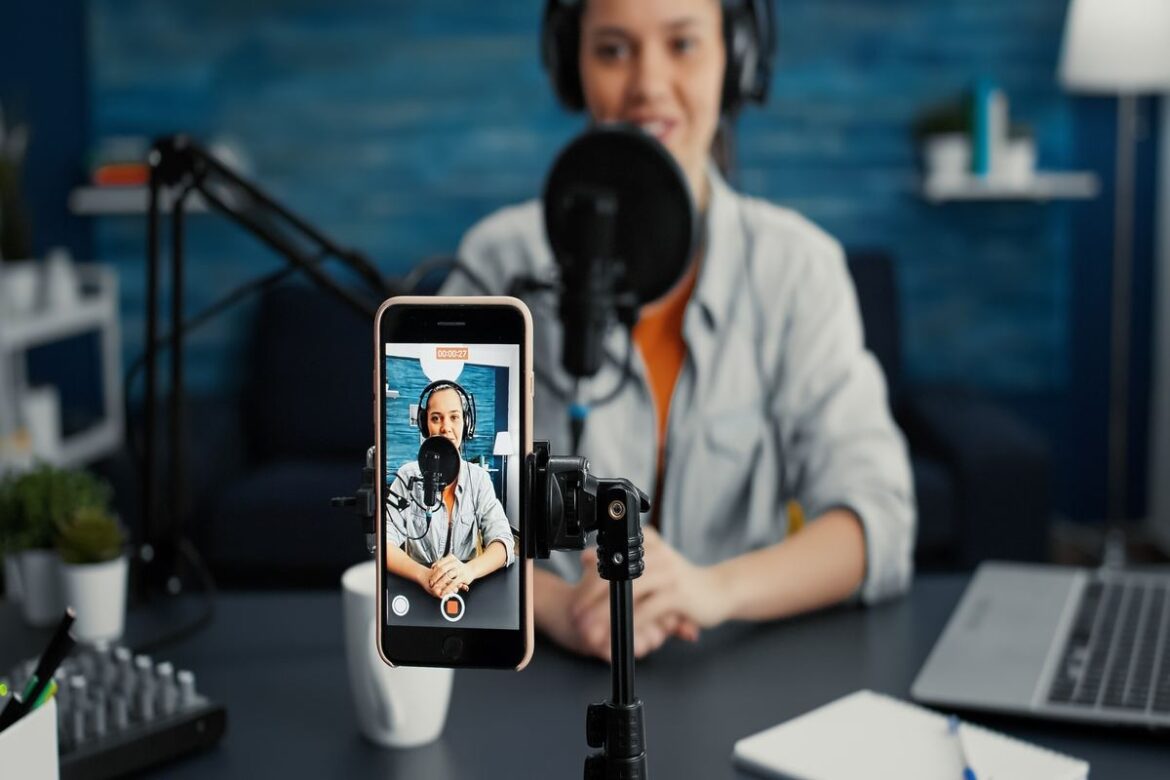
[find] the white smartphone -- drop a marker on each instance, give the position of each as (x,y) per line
(453,412)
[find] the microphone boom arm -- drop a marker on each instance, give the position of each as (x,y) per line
(179,165)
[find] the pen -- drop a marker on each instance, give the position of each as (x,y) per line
(58,647)
(954,726)
(49,692)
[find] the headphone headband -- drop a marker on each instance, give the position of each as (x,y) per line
(466,399)
(749,37)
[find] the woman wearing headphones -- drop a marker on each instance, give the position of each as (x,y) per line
(439,548)
(753,402)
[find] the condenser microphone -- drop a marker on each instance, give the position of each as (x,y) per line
(428,488)
(620,221)
(438,460)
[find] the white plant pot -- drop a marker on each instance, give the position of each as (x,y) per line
(97,592)
(12,590)
(41,586)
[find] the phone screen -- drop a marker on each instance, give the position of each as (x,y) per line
(453,416)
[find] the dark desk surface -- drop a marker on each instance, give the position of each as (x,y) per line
(277,661)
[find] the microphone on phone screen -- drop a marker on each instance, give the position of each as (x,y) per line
(438,460)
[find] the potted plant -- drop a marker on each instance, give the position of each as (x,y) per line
(33,504)
(92,547)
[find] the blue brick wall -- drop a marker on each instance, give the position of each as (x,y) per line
(394,126)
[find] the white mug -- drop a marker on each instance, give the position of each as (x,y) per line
(403,706)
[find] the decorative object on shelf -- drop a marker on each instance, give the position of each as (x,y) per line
(1118,47)
(20,282)
(32,505)
(120,161)
(971,151)
(40,409)
(94,566)
(989,128)
(60,289)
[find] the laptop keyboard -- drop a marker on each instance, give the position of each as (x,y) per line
(1117,653)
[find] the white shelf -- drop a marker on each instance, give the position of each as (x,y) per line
(96,310)
(112,201)
(92,443)
(31,330)
(1045,185)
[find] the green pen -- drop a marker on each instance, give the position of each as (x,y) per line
(49,692)
(29,687)
(59,646)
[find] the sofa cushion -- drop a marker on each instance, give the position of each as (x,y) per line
(310,378)
(274,526)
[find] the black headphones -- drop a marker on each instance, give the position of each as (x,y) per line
(424,398)
(749,36)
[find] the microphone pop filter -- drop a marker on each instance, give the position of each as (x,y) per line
(438,456)
(654,220)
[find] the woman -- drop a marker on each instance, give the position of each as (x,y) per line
(436,547)
(754,403)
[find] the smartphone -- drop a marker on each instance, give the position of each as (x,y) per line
(453,414)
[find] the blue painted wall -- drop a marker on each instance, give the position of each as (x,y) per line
(394,126)
(43,84)
(486,384)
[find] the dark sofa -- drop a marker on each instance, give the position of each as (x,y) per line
(981,474)
(298,437)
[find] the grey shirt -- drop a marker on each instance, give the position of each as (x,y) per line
(777,398)
(476,507)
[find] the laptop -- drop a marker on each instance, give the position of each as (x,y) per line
(1057,643)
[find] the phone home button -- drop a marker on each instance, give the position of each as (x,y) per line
(452,648)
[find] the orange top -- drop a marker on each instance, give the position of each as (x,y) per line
(658,335)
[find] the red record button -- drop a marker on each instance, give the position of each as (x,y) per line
(452,608)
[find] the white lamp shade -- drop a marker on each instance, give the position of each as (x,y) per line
(504,444)
(1116,46)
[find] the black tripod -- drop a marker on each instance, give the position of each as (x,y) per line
(565,503)
(616,725)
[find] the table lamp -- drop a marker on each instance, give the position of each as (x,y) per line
(1118,47)
(504,447)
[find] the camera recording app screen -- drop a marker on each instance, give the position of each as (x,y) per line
(451,465)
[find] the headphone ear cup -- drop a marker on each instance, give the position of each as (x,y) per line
(749,39)
(421,414)
(560,49)
(468,416)
(739,43)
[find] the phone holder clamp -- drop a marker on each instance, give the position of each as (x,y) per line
(364,502)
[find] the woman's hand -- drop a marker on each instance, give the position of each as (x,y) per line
(673,597)
(554,600)
(446,576)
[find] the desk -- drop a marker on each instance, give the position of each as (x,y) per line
(276,660)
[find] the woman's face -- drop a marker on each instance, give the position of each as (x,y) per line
(660,65)
(445,416)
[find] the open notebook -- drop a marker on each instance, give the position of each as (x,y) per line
(866,734)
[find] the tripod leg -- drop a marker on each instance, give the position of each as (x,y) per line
(616,726)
